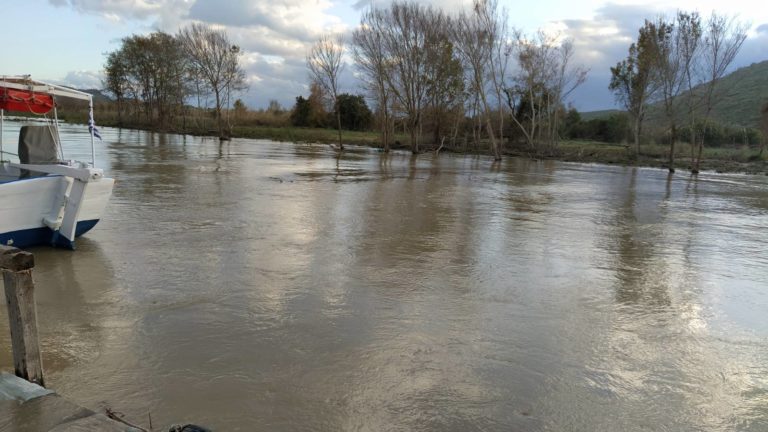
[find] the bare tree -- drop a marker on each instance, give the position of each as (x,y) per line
(216,60)
(722,39)
(672,60)
(496,20)
(475,38)
(324,63)
(371,58)
(526,97)
(689,47)
(544,79)
(566,79)
(409,32)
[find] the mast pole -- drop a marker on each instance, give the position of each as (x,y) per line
(57,136)
(92,128)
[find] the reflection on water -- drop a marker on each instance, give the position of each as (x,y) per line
(255,285)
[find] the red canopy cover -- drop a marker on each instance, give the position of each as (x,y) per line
(25,101)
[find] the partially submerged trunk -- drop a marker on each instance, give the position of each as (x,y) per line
(672,141)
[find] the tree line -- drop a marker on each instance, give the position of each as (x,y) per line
(454,77)
(677,62)
(451,78)
(153,77)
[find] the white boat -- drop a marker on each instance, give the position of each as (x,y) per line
(44,199)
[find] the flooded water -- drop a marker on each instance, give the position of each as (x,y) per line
(267,286)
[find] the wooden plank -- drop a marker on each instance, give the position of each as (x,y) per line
(14,259)
(16,267)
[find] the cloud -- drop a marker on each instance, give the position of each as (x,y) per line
(754,50)
(118,10)
(603,40)
(83,79)
(274,35)
(447,5)
(294,19)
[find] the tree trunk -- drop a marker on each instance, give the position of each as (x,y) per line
(218,112)
(636,133)
(673,139)
(338,125)
(698,158)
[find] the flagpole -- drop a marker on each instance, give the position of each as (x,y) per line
(92,128)
(2,120)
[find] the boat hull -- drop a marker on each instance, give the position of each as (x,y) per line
(25,204)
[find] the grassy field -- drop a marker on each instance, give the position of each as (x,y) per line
(306,135)
(720,159)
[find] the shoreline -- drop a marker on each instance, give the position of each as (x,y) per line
(651,156)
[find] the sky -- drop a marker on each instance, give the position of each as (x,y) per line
(65,41)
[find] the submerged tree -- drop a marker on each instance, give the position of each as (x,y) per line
(633,82)
(148,71)
(116,80)
(371,59)
(666,62)
(215,60)
(722,39)
(411,34)
(475,37)
(324,63)
(544,79)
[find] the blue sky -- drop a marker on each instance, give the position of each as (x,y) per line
(65,40)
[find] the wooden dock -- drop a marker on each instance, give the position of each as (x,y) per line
(25,405)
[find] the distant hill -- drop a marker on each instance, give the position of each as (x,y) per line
(98,95)
(739,97)
(741,94)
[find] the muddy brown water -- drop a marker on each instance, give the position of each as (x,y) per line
(267,286)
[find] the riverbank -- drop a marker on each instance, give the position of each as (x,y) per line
(723,160)
(717,159)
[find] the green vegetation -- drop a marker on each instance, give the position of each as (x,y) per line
(740,96)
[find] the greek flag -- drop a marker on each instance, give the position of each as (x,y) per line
(92,124)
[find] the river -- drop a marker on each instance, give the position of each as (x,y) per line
(255,285)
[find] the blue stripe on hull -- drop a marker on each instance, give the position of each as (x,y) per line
(44,236)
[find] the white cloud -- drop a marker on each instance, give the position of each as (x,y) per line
(128,9)
(275,36)
(83,79)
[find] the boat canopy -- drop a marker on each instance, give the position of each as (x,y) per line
(20,93)
(25,101)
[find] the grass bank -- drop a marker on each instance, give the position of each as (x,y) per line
(719,159)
